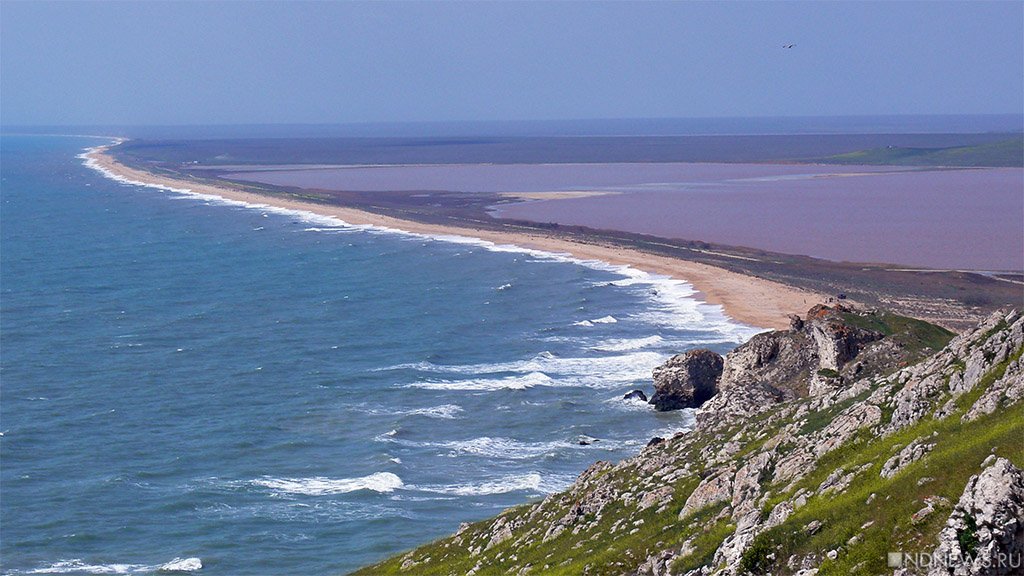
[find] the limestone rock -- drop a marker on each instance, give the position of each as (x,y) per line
(988,521)
(781,359)
(658,496)
(686,380)
(783,365)
(837,341)
(911,453)
(712,490)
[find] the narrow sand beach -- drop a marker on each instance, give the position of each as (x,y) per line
(747,299)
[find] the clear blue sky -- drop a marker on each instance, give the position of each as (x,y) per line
(331,62)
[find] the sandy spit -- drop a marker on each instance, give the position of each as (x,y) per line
(747,299)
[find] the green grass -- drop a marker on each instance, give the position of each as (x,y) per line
(918,338)
(1006,153)
(705,545)
(819,419)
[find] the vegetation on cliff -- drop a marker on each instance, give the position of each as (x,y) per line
(829,478)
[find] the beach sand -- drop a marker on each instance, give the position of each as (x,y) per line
(747,299)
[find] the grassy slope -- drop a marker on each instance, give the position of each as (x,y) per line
(918,338)
(958,454)
(1005,153)
(884,526)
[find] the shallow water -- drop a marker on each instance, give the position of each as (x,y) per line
(960,219)
(188,381)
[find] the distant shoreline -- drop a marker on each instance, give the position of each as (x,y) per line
(746,299)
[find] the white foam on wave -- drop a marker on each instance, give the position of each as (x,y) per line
(505,448)
(182,565)
(77,566)
(501,448)
(320,486)
(484,384)
(626,344)
(602,320)
(544,369)
(631,403)
(528,482)
(329,229)
(672,304)
(444,411)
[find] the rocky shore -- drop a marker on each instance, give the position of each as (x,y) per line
(856,442)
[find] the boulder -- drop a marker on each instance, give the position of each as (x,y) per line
(780,359)
(987,525)
(687,380)
(837,341)
(638,394)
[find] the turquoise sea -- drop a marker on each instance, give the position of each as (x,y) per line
(187,382)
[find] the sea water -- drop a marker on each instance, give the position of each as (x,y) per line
(195,384)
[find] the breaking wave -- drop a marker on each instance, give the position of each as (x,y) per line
(319,486)
(77,566)
(529,482)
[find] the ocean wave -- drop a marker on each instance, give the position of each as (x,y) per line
(504,448)
(626,344)
(182,565)
(529,482)
(329,229)
(544,369)
(306,510)
(77,566)
(320,486)
(483,384)
(501,448)
(602,320)
(444,411)
(630,403)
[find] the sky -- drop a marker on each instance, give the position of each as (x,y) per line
(125,63)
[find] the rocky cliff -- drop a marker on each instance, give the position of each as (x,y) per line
(849,444)
(830,348)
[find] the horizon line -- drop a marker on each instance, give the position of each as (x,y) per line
(1018,115)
